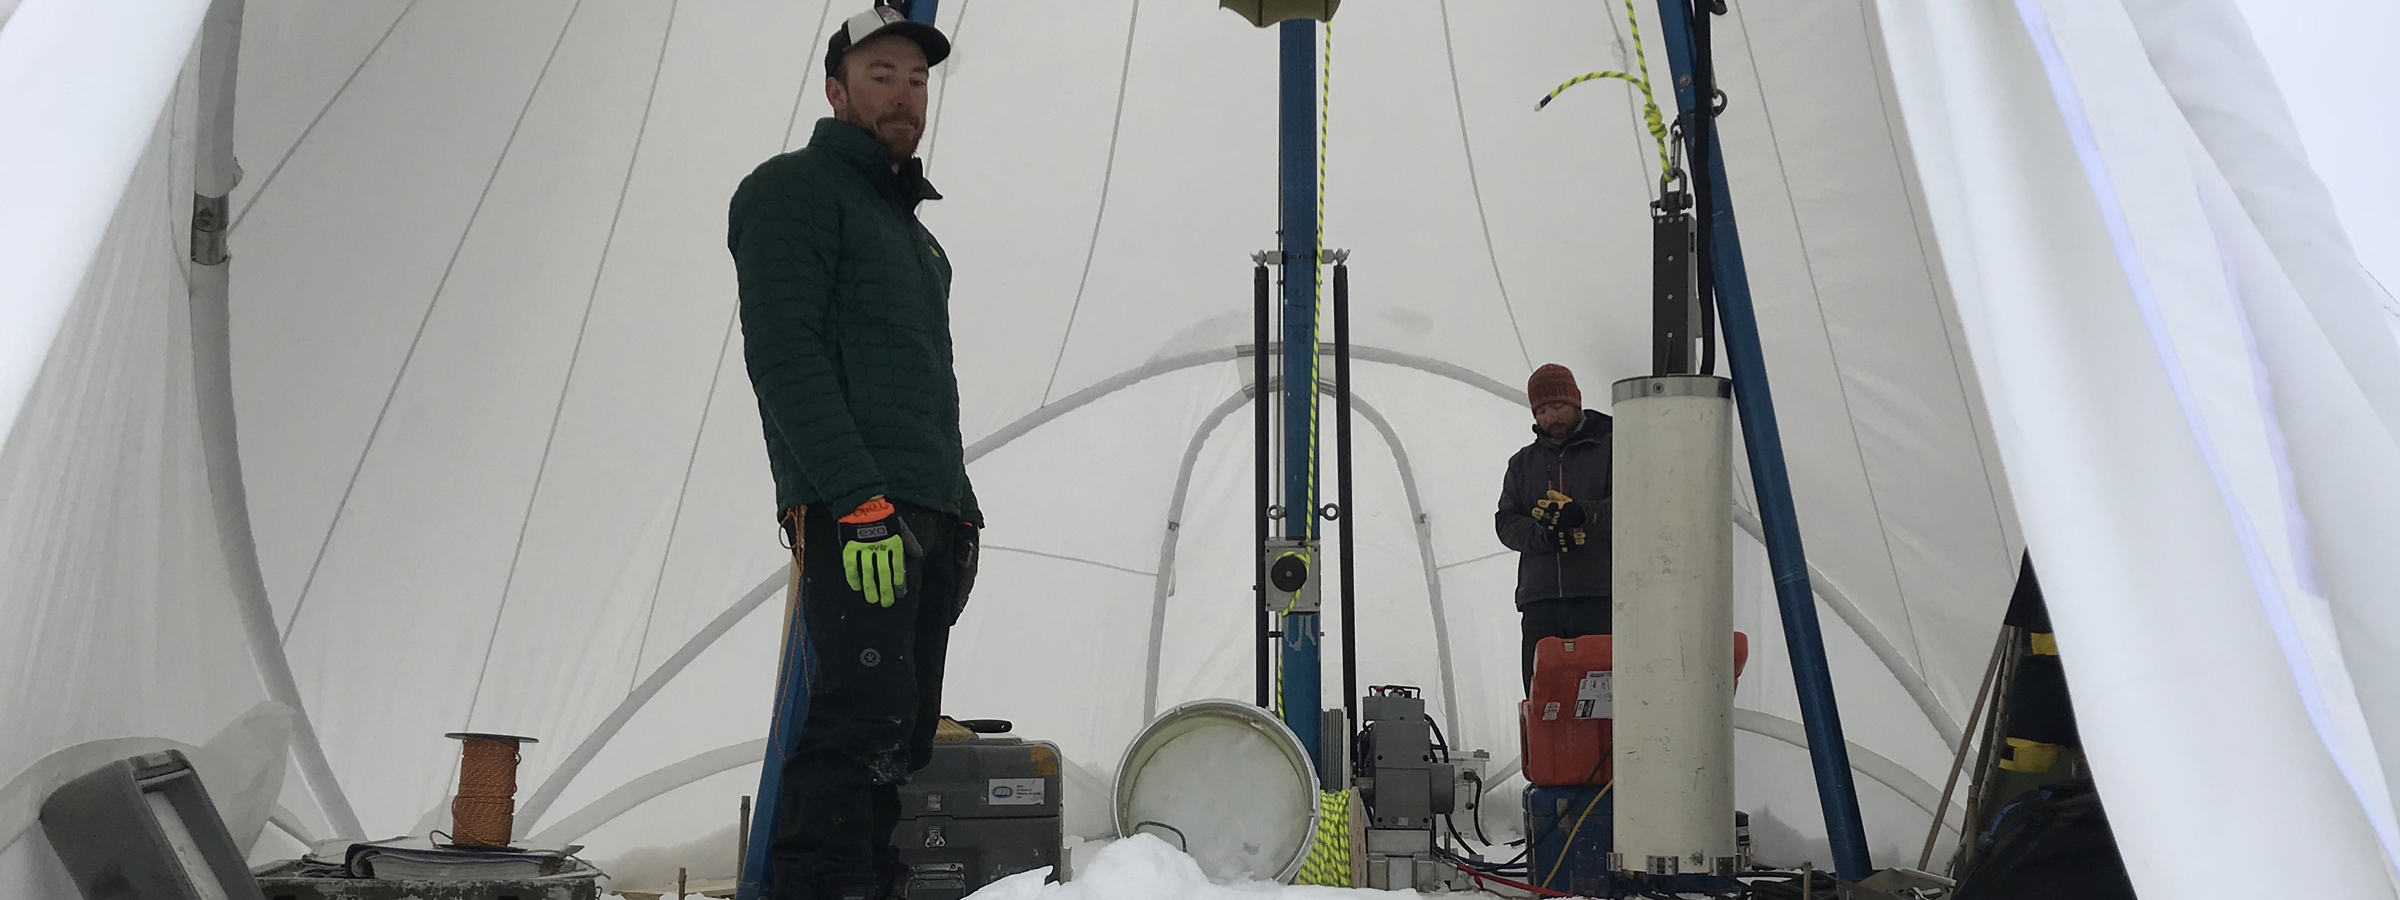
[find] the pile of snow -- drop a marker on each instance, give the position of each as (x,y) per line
(1143,867)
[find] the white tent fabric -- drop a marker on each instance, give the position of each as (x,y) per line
(2053,264)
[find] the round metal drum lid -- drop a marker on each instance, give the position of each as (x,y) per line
(1290,777)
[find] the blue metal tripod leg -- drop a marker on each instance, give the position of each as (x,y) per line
(791,709)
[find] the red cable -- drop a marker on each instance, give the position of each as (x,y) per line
(1519,885)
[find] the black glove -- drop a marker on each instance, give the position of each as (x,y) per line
(969,554)
(1567,538)
(1559,511)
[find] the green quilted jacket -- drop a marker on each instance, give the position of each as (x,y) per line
(846,328)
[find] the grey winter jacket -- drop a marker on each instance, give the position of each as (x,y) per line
(1579,468)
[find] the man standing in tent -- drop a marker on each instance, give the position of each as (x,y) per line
(846,333)
(1554,508)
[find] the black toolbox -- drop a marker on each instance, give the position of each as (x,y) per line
(982,810)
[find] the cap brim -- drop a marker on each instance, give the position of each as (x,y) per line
(928,38)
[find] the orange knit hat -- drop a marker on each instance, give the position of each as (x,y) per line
(1552,382)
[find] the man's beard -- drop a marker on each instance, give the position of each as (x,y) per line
(897,132)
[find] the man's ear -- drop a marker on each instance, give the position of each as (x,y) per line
(837,94)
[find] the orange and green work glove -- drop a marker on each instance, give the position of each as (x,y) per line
(1559,511)
(874,551)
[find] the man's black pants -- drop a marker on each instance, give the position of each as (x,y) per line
(872,707)
(1561,617)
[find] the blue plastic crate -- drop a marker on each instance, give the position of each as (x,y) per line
(1567,856)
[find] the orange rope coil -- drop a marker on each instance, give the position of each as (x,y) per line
(484,812)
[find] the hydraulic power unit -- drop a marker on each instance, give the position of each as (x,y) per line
(1406,783)
(982,810)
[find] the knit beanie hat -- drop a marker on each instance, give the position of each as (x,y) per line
(1552,382)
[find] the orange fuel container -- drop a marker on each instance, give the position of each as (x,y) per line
(1563,726)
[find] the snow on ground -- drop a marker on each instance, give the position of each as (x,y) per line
(1143,867)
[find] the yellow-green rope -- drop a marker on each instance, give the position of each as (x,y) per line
(1328,862)
(1651,118)
(1316,332)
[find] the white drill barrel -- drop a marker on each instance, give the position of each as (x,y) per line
(1672,539)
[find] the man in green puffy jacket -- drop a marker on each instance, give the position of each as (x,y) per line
(846,334)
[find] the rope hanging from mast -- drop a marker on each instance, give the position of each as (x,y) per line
(1652,119)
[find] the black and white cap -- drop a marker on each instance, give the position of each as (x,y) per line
(878,22)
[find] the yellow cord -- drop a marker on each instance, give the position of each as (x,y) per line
(1328,861)
(1651,118)
(1324,138)
(1569,846)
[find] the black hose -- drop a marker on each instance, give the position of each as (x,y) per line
(1179,835)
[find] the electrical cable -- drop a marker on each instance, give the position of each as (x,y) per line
(1531,841)
(1482,865)
(1480,837)
(1481,876)
(1449,819)
(1577,829)
(1179,835)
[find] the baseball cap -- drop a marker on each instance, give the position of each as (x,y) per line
(877,22)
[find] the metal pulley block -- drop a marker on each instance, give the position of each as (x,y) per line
(1293,582)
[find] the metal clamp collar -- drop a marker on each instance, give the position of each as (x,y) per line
(1671,386)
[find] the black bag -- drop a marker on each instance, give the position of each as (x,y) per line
(2052,842)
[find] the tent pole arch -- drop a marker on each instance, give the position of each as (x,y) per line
(542,797)
(1165,580)
(1416,515)
(1424,530)
(699,643)
(1146,371)
(651,786)
(212,383)
(1910,679)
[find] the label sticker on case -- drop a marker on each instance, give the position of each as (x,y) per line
(1014,792)
(1595,697)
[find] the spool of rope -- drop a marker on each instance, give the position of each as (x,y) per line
(484,814)
(1340,848)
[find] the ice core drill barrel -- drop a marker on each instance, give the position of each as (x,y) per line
(1672,584)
